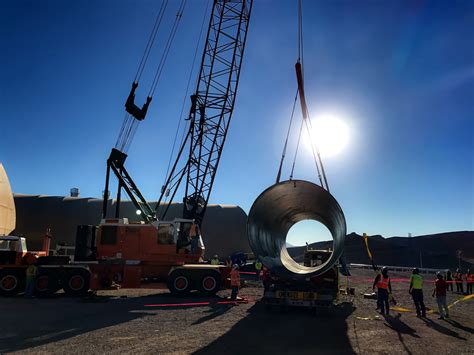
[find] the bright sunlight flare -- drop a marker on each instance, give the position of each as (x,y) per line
(330,134)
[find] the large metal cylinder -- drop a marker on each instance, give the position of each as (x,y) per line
(277,209)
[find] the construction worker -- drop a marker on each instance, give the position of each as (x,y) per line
(258,267)
(469,281)
(215,260)
(416,292)
(194,235)
(449,280)
(384,287)
(234,281)
(31,273)
(458,276)
(440,291)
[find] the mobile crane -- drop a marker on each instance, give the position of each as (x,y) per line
(128,255)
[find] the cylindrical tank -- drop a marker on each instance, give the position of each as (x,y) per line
(277,209)
(7,206)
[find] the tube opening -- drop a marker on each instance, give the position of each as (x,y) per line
(282,206)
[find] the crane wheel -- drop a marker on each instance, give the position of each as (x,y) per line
(11,282)
(210,283)
(179,283)
(76,282)
(46,284)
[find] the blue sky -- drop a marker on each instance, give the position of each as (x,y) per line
(400,73)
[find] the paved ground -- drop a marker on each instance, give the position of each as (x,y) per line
(113,324)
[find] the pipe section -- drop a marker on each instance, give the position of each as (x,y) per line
(277,209)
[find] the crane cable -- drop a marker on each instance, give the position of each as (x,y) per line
(130,124)
(166,51)
(286,141)
(306,117)
(151,40)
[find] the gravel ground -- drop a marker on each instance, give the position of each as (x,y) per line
(132,321)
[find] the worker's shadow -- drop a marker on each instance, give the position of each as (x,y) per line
(216,310)
(400,327)
(442,329)
(460,326)
(294,331)
(395,323)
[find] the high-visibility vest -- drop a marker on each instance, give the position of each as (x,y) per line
(234,278)
(470,278)
(258,265)
(417,282)
(31,271)
(383,282)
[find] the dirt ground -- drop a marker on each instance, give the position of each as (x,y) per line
(135,321)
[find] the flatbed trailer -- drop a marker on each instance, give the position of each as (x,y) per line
(314,292)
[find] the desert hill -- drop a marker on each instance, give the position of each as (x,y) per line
(430,251)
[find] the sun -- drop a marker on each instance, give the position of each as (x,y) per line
(330,134)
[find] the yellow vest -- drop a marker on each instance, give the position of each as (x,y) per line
(31,271)
(417,282)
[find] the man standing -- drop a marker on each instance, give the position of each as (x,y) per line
(31,273)
(449,280)
(469,281)
(384,287)
(194,234)
(440,291)
(234,281)
(458,277)
(258,267)
(416,292)
(215,260)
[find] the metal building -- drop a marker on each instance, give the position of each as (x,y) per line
(223,228)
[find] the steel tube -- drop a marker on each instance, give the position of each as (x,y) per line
(277,209)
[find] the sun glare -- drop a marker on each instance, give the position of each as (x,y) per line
(330,134)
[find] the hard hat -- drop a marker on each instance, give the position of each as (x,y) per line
(216,256)
(416,271)
(235,266)
(439,274)
(385,269)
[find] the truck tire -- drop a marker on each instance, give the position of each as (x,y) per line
(12,282)
(76,282)
(179,283)
(210,283)
(46,284)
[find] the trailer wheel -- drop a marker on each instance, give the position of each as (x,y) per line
(11,282)
(46,284)
(179,283)
(210,283)
(76,282)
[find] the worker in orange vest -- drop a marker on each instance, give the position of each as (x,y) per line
(384,287)
(234,281)
(469,281)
